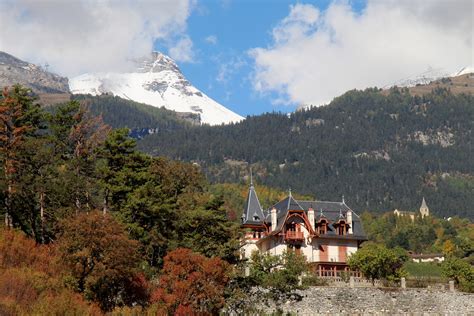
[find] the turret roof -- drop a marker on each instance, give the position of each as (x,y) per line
(253,213)
(423,203)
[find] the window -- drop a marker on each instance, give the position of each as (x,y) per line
(323,227)
(341,228)
(256,218)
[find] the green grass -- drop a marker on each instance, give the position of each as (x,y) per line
(424,269)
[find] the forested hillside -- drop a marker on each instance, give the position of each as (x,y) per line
(380,151)
(141,119)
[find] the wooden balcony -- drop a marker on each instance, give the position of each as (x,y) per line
(291,235)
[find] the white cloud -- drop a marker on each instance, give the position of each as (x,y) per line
(82,35)
(182,51)
(316,55)
(229,69)
(211,39)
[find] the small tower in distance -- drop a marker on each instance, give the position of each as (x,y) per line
(424,210)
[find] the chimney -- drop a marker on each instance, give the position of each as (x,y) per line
(274,218)
(349,221)
(311,217)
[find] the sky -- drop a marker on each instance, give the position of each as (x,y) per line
(252,56)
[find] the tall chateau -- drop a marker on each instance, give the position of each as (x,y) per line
(326,233)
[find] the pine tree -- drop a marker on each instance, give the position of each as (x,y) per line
(19,119)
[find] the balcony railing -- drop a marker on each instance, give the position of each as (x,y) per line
(294,235)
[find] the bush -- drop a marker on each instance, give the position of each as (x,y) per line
(313,280)
(461,272)
(280,274)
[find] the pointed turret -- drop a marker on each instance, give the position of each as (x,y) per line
(253,213)
(424,210)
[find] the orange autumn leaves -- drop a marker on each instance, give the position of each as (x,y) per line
(191,282)
(95,260)
(32,280)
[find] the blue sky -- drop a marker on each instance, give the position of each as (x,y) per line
(222,33)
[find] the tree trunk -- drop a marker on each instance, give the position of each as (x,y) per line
(42,216)
(105,208)
(8,198)
(78,204)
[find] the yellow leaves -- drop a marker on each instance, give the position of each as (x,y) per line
(449,247)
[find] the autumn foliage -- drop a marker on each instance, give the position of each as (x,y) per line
(103,261)
(191,284)
(31,280)
(57,167)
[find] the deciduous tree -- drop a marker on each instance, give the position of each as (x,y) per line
(191,283)
(102,259)
(379,262)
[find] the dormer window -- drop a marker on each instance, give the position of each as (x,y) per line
(322,227)
(341,228)
(256,218)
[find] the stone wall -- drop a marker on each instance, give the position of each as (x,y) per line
(353,301)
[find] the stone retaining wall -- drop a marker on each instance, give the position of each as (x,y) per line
(353,301)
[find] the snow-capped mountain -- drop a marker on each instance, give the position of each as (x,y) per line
(156,81)
(429,76)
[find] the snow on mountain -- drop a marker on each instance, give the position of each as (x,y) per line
(463,71)
(428,76)
(156,81)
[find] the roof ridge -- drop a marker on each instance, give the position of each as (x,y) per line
(310,201)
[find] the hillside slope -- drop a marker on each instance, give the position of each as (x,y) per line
(49,87)
(381,152)
(141,119)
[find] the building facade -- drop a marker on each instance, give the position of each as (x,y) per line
(326,233)
(423,212)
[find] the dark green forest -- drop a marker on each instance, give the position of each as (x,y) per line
(380,151)
(140,118)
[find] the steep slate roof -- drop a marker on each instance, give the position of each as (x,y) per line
(253,213)
(282,208)
(330,210)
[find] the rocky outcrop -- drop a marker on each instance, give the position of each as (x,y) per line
(443,138)
(15,71)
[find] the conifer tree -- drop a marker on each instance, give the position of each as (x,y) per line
(19,119)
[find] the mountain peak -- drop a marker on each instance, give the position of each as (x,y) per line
(156,62)
(158,81)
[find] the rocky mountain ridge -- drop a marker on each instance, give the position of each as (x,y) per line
(16,71)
